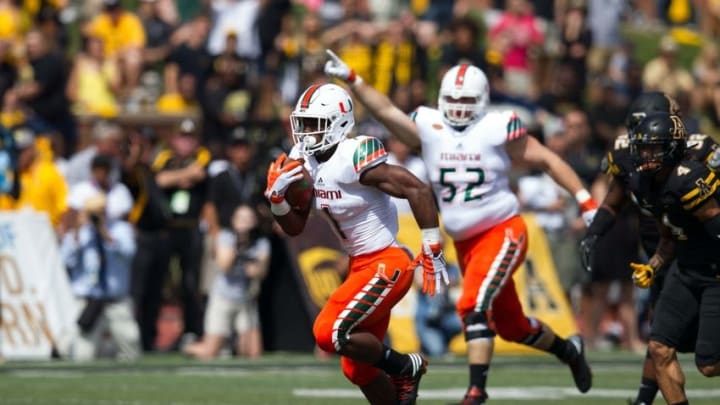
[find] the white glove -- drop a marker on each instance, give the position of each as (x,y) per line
(280,177)
(588,216)
(335,67)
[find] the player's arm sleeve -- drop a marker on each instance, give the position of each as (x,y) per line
(369,153)
(514,128)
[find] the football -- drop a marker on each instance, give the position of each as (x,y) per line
(300,193)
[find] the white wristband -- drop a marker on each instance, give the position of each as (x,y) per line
(430,235)
(582,196)
(358,81)
(280,209)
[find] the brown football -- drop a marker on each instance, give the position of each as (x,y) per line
(300,193)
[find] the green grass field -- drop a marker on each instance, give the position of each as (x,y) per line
(300,379)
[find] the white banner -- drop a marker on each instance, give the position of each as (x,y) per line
(36,302)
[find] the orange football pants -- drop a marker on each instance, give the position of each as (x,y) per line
(375,283)
(488,262)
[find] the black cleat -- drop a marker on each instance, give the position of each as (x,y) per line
(578,364)
(408,383)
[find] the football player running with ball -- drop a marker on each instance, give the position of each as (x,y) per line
(353,184)
(625,187)
(681,192)
(469,153)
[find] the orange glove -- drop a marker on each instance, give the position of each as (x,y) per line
(432,261)
(280,176)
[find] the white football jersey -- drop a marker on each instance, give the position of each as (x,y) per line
(469,169)
(363,217)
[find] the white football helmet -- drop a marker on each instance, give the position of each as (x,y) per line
(322,118)
(460,86)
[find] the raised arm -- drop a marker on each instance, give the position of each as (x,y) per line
(379,105)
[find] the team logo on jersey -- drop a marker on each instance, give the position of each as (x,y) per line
(327,194)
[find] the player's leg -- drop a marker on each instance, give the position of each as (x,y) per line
(707,350)
(514,326)
(648,389)
(487,262)
(674,314)
(354,321)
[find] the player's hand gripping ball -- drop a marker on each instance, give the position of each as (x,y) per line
(300,193)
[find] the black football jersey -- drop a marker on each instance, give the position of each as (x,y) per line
(691,184)
(619,164)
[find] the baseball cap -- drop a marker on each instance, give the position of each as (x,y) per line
(239,136)
(187,126)
(111,4)
(24,137)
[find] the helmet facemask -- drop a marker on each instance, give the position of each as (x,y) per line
(650,156)
(460,111)
(316,133)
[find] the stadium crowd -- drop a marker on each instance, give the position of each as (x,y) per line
(143,129)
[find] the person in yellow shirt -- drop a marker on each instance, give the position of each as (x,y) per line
(183,101)
(123,37)
(42,187)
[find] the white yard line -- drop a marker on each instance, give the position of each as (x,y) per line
(514,393)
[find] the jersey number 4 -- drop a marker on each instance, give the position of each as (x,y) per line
(452,187)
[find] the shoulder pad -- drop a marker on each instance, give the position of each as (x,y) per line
(692,182)
(369,152)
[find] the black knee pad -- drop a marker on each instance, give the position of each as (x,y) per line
(477,326)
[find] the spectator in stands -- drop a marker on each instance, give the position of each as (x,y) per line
(518,38)
(44,91)
(663,73)
(123,37)
(95,82)
(243,256)
(240,183)
(228,101)
(237,16)
(188,54)
(576,42)
(10,21)
(464,46)
(184,101)
(181,172)
(8,69)
(157,32)
(98,249)
(42,188)
(107,140)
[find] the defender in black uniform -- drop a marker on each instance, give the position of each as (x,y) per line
(619,164)
(682,194)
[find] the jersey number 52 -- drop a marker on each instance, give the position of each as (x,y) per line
(472,178)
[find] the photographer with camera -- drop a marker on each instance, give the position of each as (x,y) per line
(97,249)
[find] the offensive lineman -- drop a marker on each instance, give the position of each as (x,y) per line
(353,184)
(619,165)
(468,153)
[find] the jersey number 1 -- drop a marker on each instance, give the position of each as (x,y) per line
(453,187)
